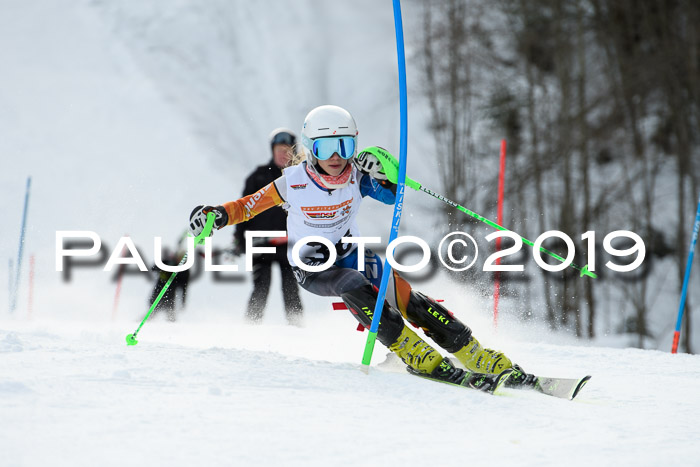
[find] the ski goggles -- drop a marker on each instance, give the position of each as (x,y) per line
(324,148)
(284,138)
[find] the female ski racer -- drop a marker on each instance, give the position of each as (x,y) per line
(322,195)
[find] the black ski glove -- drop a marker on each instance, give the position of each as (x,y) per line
(388,185)
(198,218)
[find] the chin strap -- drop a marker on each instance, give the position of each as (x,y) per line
(329,181)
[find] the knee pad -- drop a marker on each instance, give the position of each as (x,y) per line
(361,302)
(437,322)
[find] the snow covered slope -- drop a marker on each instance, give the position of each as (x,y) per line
(99,120)
(129,114)
(214,395)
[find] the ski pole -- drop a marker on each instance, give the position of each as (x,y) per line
(399,179)
(390,166)
(684,290)
(211,217)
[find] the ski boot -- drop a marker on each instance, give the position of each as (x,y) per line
(423,360)
(420,356)
(476,358)
(453,335)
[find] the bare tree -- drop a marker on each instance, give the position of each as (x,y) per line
(601,98)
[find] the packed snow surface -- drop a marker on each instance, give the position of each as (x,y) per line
(205,394)
(127,115)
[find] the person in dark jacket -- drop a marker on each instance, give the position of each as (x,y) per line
(282,141)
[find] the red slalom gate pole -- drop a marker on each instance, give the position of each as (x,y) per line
(501,184)
(119,285)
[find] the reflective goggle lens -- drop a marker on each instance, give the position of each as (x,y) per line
(284,138)
(324,148)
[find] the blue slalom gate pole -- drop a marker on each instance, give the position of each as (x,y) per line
(18,266)
(9,283)
(684,290)
(398,204)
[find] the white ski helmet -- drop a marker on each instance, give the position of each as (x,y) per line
(282,136)
(323,121)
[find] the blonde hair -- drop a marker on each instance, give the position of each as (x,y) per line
(298,155)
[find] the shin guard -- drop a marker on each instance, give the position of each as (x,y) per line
(437,322)
(361,302)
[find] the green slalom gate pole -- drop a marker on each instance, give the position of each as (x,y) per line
(400,189)
(211,217)
(390,166)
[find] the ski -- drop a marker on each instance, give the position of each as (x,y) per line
(563,388)
(479,381)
